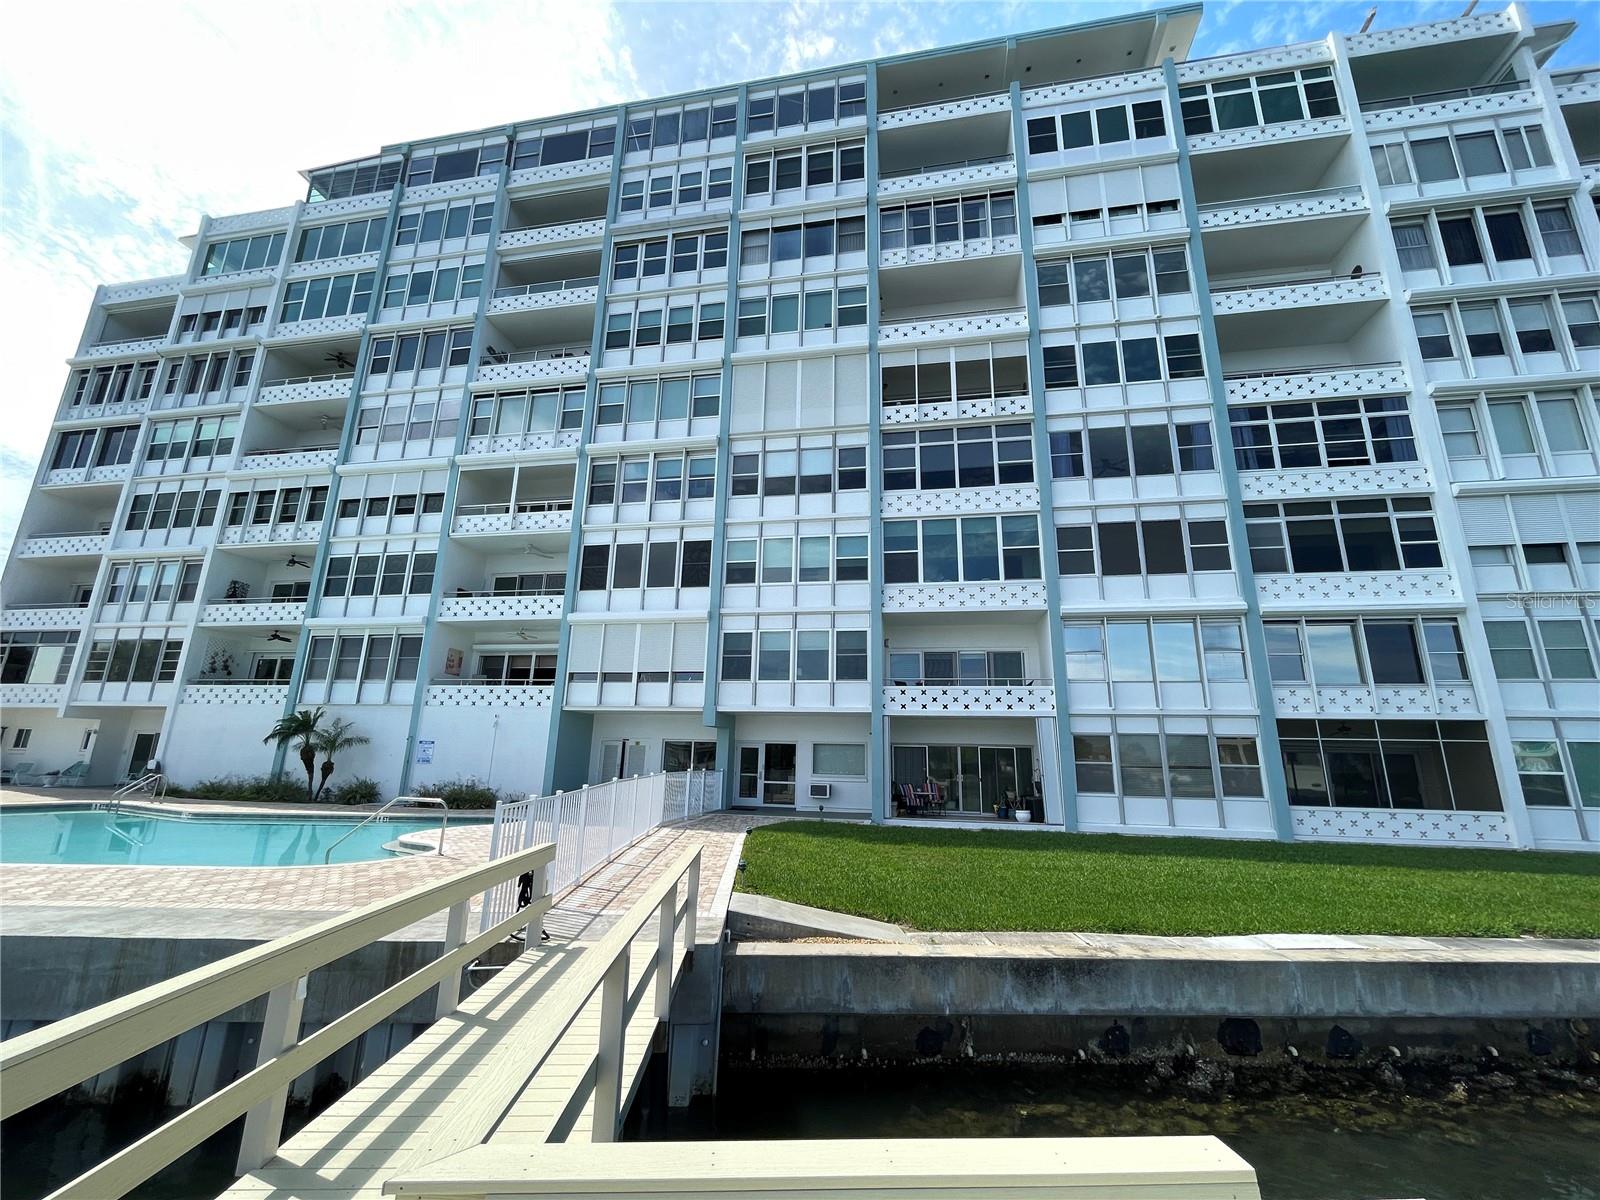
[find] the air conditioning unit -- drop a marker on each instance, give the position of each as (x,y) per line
(822,791)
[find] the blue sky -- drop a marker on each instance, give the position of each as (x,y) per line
(120,124)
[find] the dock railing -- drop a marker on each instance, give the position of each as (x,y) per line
(588,825)
(37,1065)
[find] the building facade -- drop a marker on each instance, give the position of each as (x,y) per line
(1203,447)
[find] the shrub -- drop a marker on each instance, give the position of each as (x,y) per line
(459,793)
(244,789)
(360,790)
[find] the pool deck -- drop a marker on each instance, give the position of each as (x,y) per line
(48,899)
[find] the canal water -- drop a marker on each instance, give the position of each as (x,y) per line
(1303,1147)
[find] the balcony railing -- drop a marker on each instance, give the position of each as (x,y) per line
(47,604)
(495,358)
(956,165)
(1262,285)
(1489,89)
(505,508)
(488,681)
(464,594)
(552,285)
(1281,198)
(972,681)
(934,103)
(1581,75)
(1317,369)
(249,454)
(299,379)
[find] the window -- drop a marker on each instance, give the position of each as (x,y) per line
(1433,335)
(1327,433)
(1395,764)
(839,759)
(972,456)
(1317,536)
(1260,100)
(1507,237)
(329,296)
(1412,243)
(340,240)
(1149,547)
(243,254)
(969,549)
(1391,164)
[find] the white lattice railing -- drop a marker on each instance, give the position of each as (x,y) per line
(591,824)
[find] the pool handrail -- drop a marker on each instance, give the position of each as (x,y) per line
(155,783)
(328,856)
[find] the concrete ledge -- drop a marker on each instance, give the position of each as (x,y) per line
(761,918)
(1502,980)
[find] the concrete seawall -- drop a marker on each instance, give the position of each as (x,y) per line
(1477,981)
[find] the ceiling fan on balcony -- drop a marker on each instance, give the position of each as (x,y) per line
(278,635)
(534,551)
(340,359)
(527,635)
(295,560)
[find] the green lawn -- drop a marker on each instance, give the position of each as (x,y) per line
(941,879)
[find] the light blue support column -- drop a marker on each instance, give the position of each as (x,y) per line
(1255,635)
(346,438)
(723,723)
(566,759)
(486,291)
(1066,778)
(878,780)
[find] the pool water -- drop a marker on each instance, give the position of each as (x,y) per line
(135,839)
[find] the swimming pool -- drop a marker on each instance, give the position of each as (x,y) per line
(99,838)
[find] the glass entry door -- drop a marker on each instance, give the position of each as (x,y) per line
(144,749)
(767,773)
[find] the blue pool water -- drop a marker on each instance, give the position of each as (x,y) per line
(136,839)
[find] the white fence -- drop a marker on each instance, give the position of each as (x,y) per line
(589,825)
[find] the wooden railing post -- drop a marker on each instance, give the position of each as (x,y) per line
(691,910)
(608,1058)
(666,944)
(455,934)
(280,1029)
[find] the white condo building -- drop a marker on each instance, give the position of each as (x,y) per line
(1053,422)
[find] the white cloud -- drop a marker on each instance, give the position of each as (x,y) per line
(123,123)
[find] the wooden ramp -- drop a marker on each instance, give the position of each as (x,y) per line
(562,1031)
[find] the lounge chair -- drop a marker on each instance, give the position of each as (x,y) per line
(76,775)
(19,773)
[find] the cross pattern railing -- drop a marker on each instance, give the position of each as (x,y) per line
(591,824)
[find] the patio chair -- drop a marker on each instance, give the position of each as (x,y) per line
(908,797)
(74,776)
(19,773)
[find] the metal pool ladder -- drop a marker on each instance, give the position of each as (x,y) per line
(154,783)
(444,824)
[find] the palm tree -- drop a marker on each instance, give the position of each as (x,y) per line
(299,727)
(335,738)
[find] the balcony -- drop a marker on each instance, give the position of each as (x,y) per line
(969,409)
(562,234)
(62,545)
(289,534)
(583,168)
(449,692)
(1316,383)
(292,459)
(921,503)
(554,364)
(299,331)
(101,412)
(1249,298)
(235,692)
(1321,482)
(944,110)
(303,388)
(1289,206)
(253,612)
(546,604)
(525,516)
(1446,700)
(32,695)
(1493,25)
(984,323)
(1394,589)
(116,347)
(949,175)
(987,698)
(550,293)
(962,597)
(1451,104)
(1577,87)
(67,476)
(43,616)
